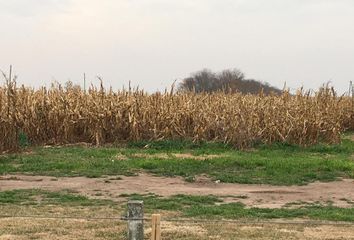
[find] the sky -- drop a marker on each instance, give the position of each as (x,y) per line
(152,43)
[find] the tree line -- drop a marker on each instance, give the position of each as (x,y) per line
(228,81)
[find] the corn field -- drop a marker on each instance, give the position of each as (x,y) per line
(69,114)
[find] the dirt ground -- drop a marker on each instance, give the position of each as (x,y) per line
(339,193)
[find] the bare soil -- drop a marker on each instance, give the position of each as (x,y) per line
(339,193)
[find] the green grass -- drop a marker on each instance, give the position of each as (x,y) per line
(41,197)
(205,207)
(174,203)
(279,164)
(238,211)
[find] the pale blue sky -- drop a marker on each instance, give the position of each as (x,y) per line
(154,42)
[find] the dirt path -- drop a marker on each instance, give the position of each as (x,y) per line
(340,193)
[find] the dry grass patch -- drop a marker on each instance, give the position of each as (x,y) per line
(190,231)
(49,229)
(120,157)
(214,230)
(177,155)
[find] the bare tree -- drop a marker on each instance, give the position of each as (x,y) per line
(202,81)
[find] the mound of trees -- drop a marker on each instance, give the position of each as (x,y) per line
(228,81)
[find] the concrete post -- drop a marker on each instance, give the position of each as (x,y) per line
(135,220)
